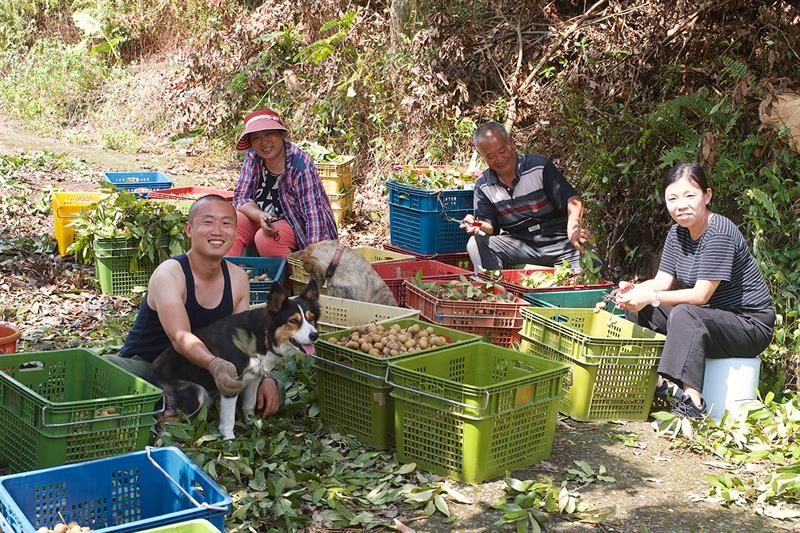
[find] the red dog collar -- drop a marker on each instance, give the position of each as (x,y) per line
(337,256)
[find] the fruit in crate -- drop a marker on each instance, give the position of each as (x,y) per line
(72,527)
(434,177)
(562,276)
(319,153)
(464,289)
(380,341)
(257,277)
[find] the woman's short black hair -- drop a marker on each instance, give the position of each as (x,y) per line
(676,172)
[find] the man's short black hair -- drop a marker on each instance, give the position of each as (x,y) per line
(492,127)
(204,200)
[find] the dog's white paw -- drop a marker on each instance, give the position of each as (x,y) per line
(227,433)
(247,416)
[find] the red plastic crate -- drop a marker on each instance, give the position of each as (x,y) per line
(499,336)
(459,259)
(458,313)
(395,273)
(511,279)
(189,193)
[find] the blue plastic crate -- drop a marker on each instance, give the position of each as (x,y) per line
(140,183)
(274,267)
(424,200)
(123,494)
(427,233)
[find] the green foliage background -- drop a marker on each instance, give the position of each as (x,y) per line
(420,99)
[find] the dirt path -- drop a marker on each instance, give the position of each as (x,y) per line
(656,489)
(183,168)
(14,137)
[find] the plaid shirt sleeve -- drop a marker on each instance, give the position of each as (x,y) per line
(251,168)
(314,222)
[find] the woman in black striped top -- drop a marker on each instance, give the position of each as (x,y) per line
(708,297)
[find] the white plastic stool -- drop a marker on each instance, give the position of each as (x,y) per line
(728,382)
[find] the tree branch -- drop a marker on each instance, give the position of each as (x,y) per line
(511,115)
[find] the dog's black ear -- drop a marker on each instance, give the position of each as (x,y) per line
(311,292)
(277,296)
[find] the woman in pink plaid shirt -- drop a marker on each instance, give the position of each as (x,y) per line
(280,201)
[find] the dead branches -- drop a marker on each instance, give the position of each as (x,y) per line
(511,115)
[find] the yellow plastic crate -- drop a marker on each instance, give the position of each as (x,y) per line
(66,206)
(337,184)
(340,313)
(300,277)
(337,314)
(341,204)
(192,526)
(343,167)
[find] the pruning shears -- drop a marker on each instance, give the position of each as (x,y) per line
(624,286)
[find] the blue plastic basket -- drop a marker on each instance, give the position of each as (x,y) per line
(427,232)
(126,493)
(274,267)
(424,200)
(141,183)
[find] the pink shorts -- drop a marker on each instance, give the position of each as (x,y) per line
(247,232)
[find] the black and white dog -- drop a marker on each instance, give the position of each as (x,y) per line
(254,341)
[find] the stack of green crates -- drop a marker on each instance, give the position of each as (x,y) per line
(473,412)
(67,406)
(119,272)
(612,360)
(352,392)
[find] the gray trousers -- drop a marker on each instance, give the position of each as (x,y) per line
(495,252)
(695,333)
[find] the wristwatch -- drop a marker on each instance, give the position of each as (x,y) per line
(656,301)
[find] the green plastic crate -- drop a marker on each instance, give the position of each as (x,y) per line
(585,335)
(573,298)
(473,412)
(52,409)
(115,270)
(608,388)
(352,391)
(353,408)
(192,526)
(372,368)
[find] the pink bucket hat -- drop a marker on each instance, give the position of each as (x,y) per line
(259,120)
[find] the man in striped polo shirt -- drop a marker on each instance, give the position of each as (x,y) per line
(525,210)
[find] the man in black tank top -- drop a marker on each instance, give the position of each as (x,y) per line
(189,292)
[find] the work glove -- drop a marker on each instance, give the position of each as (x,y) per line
(225,377)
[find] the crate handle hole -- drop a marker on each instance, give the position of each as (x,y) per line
(559,318)
(31,365)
